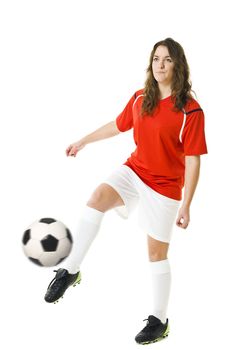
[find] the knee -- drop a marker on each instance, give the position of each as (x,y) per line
(157,256)
(96,200)
(157,249)
(158,252)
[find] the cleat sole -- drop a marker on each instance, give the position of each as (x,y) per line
(154,341)
(78,280)
(158,339)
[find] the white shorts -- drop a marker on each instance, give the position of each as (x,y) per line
(156,213)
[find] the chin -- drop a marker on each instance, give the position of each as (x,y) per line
(161,81)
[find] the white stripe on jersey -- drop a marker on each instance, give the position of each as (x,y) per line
(183,124)
(137,99)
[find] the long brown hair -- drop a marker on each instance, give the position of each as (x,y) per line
(181,86)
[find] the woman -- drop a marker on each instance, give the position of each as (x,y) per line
(168,127)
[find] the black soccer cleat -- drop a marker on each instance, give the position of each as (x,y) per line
(60,283)
(154,331)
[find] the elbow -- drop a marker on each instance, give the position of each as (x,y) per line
(115,128)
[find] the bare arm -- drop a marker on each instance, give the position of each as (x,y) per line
(192,169)
(104,132)
(108,130)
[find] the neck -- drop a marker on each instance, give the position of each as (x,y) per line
(165,91)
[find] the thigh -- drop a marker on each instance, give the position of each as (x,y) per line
(122,181)
(104,198)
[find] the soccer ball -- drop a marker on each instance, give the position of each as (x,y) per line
(47,242)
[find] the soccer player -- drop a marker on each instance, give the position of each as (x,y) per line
(168,130)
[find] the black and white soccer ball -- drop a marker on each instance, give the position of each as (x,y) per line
(47,242)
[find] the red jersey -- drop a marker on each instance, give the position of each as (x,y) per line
(162,142)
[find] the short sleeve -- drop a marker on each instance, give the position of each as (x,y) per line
(125,119)
(193,136)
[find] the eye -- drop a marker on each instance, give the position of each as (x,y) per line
(155,59)
(169,60)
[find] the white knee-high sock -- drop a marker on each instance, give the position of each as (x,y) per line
(87,229)
(161,284)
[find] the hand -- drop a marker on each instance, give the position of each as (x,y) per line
(74,148)
(183,217)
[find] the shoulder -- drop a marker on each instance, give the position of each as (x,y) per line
(138,93)
(138,97)
(192,105)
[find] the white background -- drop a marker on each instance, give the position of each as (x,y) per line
(68,67)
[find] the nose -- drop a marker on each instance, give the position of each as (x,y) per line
(162,64)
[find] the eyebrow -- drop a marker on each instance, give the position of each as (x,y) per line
(164,57)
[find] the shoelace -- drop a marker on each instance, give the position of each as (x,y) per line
(147,324)
(54,279)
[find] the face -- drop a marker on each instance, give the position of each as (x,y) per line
(162,66)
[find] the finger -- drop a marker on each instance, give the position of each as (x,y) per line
(182,223)
(179,220)
(68,150)
(185,224)
(74,151)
